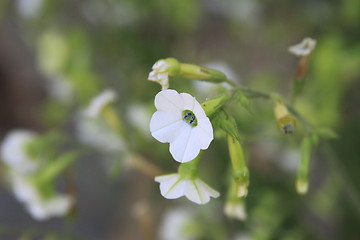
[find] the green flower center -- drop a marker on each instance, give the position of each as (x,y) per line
(190,118)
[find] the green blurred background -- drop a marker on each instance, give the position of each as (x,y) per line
(97,44)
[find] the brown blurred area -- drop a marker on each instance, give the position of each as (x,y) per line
(21,88)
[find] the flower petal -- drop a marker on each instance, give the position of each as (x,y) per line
(169,100)
(198,110)
(191,192)
(171,186)
(204,132)
(186,146)
(203,187)
(165,126)
(189,101)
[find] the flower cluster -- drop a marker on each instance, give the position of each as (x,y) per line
(22,168)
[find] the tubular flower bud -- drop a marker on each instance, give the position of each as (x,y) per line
(192,71)
(302,180)
(285,122)
(239,170)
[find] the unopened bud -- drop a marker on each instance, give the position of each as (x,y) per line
(303,171)
(211,106)
(240,171)
(192,71)
(284,121)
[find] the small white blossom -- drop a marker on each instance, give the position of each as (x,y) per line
(99,102)
(174,223)
(39,207)
(181,121)
(159,74)
(56,206)
(235,210)
(96,133)
(174,186)
(304,48)
(13,151)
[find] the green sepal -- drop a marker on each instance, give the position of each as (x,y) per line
(244,102)
(190,169)
(226,123)
(326,133)
(213,105)
(174,66)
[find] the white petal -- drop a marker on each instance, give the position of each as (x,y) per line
(98,103)
(169,100)
(171,186)
(206,188)
(204,132)
(189,101)
(53,207)
(192,193)
(152,76)
(160,66)
(186,146)
(198,110)
(13,151)
(167,177)
(165,126)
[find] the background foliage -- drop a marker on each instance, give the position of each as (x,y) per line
(113,43)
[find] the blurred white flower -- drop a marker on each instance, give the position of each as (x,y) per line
(304,48)
(241,236)
(174,186)
(139,116)
(159,74)
(39,207)
(99,102)
(56,206)
(235,210)
(13,151)
(173,224)
(29,8)
(181,121)
(21,167)
(96,133)
(60,88)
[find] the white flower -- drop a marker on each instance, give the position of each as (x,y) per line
(181,121)
(139,117)
(96,133)
(159,74)
(174,186)
(174,223)
(14,154)
(235,210)
(99,102)
(39,208)
(304,48)
(56,206)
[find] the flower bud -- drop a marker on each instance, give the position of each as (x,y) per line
(284,121)
(239,170)
(211,106)
(192,71)
(162,69)
(303,171)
